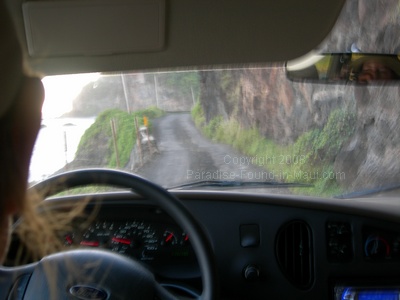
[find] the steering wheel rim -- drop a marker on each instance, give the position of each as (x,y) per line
(157,195)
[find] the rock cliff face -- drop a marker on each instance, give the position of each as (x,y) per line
(105,93)
(370,26)
(282,110)
(263,98)
(370,157)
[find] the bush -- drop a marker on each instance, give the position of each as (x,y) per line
(311,157)
(198,115)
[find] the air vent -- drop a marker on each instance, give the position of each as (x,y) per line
(294,253)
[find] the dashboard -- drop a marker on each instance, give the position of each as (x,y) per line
(265,245)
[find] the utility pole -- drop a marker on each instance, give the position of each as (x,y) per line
(138,141)
(125,93)
(156,90)
(194,102)
(114,134)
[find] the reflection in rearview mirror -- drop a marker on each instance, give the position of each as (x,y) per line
(344,67)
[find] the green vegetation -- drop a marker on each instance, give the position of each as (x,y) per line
(198,115)
(100,133)
(308,160)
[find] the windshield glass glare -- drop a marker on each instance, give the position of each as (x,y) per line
(234,125)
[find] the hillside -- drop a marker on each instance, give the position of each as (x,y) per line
(111,140)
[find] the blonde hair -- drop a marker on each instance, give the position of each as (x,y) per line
(41,229)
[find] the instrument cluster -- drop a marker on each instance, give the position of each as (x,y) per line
(150,242)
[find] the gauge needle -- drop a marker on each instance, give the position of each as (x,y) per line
(169,237)
(69,240)
(90,243)
(121,241)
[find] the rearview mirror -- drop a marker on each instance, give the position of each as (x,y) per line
(344,67)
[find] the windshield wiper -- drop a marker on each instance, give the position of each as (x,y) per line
(237,184)
(368,192)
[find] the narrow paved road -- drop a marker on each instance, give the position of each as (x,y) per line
(187,156)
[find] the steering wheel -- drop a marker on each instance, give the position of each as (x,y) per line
(97,274)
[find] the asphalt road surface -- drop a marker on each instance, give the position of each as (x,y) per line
(185,155)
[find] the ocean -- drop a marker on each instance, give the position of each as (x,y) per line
(56,145)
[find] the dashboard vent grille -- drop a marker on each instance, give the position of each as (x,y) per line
(294,253)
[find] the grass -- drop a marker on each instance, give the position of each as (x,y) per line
(308,160)
(124,122)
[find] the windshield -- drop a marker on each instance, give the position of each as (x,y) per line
(233,125)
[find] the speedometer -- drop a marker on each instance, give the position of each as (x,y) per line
(97,235)
(135,237)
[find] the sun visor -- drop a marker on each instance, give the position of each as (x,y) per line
(55,29)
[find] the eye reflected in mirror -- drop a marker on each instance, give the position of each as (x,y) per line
(344,68)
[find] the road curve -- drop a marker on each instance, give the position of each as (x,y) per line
(185,155)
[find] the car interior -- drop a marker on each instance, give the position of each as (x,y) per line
(213,236)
